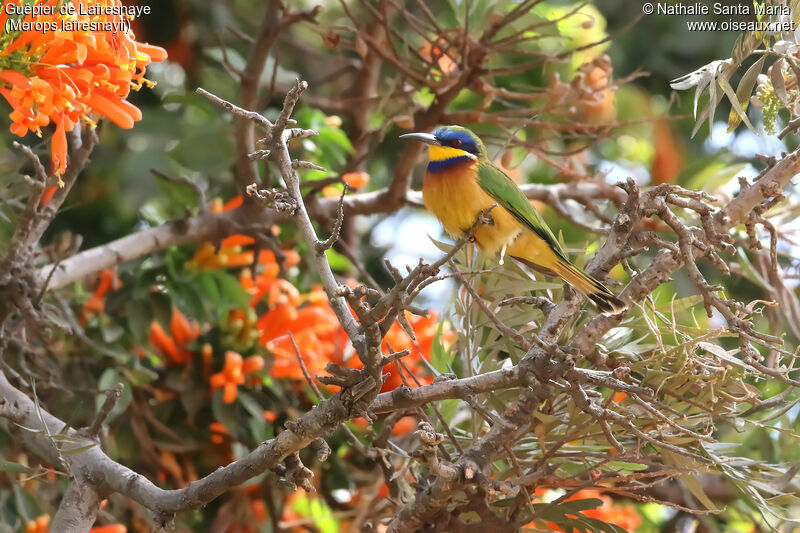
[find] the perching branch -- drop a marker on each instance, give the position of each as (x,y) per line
(213,227)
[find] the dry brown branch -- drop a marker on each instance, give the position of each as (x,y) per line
(276,17)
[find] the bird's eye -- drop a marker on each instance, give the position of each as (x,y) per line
(456,142)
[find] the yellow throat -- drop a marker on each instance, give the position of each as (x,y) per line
(441,153)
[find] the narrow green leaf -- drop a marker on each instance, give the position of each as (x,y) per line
(75,451)
(735,106)
(232,291)
(744,91)
(14,468)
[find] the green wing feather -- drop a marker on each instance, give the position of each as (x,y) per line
(509,196)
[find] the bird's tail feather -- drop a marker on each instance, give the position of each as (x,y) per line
(599,294)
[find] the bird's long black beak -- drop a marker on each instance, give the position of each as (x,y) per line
(427,138)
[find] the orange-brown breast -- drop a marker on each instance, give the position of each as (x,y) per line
(455,197)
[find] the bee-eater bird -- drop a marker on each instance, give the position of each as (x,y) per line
(461,183)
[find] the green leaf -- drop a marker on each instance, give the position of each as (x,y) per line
(735,105)
(153,213)
(112,332)
(441,360)
(14,468)
(621,465)
(140,375)
(76,451)
(679,304)
(750,271)
(689,480)
(208,286)
(744,91)
(231,291)
(727,356)
(778,82)
(424,97)
(257,423)
(161,305)
(178,193)
(448,408)
(27,506)
(138,315)
(715,175)
(191,299)
(443,246)
(223,412)
(192,151)
(337,261)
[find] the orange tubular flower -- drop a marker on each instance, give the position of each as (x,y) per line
(425,329)
(233,374)
(81,65)
(405,425)
(259,510)
(218,432)
(183,332)
(356,179)
(163,342)
(40,525)
(97,302)
(331,191)
(47,195)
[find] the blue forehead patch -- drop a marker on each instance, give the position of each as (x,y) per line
(447,135)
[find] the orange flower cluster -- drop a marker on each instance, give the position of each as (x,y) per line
(308,317)
(321,340)
(183,330)
(60,77)
(231,253)
(425,329)
(317,332)
(233,374)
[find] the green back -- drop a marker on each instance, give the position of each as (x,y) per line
(509,196)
